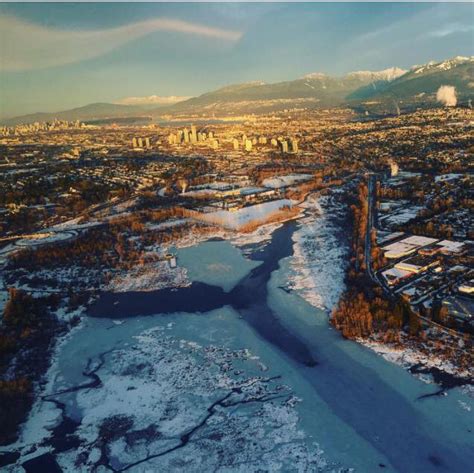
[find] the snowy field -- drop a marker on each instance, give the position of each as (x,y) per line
(46,238)
(408,357)
(285,181)
(148,277)
(319,256)
(245,215)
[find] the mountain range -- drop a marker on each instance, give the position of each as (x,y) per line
(382,91)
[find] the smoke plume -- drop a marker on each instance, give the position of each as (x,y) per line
(447,95)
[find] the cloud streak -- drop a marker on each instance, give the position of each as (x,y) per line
(26,46)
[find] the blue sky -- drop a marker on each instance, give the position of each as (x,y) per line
(57,56)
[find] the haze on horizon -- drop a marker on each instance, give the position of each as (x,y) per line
(103,52)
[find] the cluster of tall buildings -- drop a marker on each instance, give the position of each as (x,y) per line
(192,136)
(285,145)
(35,127)
(141,143)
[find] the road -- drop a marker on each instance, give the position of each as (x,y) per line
(371,203)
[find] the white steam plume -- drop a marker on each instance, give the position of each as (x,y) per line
(447,95)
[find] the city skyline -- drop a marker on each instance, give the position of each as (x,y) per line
(88,53)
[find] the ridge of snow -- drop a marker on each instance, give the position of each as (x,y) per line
(389,74)
(315,75)
(443,65)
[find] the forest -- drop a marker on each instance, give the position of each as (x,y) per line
(26,338)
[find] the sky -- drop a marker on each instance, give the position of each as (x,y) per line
(56,56)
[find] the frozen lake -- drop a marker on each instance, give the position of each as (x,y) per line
(364,412)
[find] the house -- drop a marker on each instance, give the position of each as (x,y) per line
(467,287)
(450,247)
(417,264)
(407,246)
(393,275)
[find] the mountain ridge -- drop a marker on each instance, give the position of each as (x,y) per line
(416,85)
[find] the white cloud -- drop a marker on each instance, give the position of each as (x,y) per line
(26,46)
(450,29)
(153,100)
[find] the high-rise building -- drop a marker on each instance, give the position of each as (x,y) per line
(248,145)
(284,146)
(244,139)
(186,135)
(262,140)
(235,144)
(147,142)
(294,145)
(393,168)
(211,135)
(134,142)
(140,143)
(274,142)
(193,134)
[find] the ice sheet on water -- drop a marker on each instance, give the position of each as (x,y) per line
(162,387)
(217,263)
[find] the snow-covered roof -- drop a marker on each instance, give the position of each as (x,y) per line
(283,181)
(417,240)
(395,273)
(451,246)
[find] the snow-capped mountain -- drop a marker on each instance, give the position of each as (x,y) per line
(447,65)
(386,74)
(389,74)
(416,86)
(315,75)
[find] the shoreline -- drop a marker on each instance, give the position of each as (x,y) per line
(433,370)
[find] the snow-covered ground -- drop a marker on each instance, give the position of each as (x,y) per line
(319,255)
(167,224)
(46,238)
(448,177)
(285,181)
(408,356)
(193,264)
(148,277)
(254,213)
